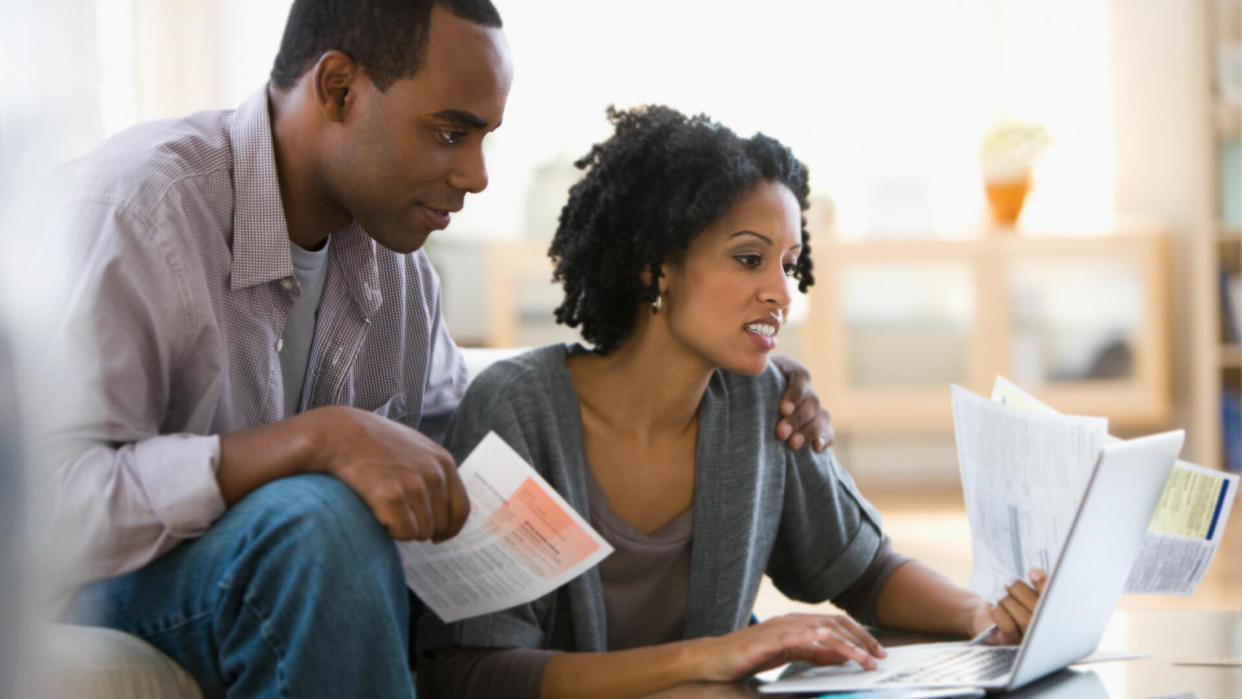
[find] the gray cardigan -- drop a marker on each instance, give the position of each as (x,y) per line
(758,507)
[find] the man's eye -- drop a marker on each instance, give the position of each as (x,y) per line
(451,137)
(749,261)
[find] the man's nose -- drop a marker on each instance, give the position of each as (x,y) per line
(470,172)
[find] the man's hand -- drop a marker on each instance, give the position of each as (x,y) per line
(409,482)
(803,420)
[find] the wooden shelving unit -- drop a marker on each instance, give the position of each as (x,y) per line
(1223,254)
(1138,401)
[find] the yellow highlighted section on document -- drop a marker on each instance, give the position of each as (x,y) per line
(1188,504)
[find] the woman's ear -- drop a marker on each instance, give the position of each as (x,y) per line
(645,278)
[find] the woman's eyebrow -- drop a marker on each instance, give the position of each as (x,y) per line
(760,236)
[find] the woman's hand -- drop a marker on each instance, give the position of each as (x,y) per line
(816,638)
(1012,615)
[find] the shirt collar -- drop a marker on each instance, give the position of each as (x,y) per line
(260,232)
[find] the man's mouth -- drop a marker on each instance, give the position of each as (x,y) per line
(439,218)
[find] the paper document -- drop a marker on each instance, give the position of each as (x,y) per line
(1023,475)
(1188,524)
(520,542)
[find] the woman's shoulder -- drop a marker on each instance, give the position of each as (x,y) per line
(523,370)
(532,384)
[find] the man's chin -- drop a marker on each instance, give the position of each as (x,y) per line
(402,243)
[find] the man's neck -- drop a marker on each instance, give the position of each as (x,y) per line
(311,213)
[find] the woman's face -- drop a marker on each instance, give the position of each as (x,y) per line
(727,300)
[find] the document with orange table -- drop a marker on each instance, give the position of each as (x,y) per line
(520,542)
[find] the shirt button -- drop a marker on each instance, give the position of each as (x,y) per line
(287,283)
(280,343)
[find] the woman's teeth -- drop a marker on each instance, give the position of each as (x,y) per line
(760,329)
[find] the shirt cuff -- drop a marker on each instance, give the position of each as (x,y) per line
(850,564)
(178,475)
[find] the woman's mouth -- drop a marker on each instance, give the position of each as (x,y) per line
(764,334)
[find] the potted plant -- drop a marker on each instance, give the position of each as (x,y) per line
(1007,150)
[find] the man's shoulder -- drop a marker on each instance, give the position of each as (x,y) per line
(139,168)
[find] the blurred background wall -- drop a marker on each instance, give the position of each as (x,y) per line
(1124,313)
(1116,293)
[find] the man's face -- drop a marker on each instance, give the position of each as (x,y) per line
(404,159)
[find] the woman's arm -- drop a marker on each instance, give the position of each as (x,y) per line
(818,639)
(916,597)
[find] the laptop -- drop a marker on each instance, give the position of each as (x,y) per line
(1074,609)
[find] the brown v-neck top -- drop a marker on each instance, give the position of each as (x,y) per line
(647,576)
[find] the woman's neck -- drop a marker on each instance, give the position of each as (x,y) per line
(647,386)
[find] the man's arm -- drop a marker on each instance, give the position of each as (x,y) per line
(409,482)
(128,363)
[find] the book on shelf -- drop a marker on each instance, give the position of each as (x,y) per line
(1231,428)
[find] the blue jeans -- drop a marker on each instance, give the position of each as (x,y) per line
(297,591)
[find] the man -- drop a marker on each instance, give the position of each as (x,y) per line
(272,365)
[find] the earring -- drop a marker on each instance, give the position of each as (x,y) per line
(657,304)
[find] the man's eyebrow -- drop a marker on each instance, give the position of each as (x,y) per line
(760,236)
(462,118)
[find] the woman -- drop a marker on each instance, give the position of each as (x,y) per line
(677,252)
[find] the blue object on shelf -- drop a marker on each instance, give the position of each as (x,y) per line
(1231,428)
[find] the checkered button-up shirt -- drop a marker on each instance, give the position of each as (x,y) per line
(174,332)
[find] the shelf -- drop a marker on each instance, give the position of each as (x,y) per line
(884,367)
(1231,356)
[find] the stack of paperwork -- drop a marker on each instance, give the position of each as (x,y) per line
(1024,469)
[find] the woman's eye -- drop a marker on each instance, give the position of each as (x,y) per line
(451,137)
(791,268)
(749,261)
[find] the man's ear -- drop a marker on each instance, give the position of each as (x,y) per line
(333,80)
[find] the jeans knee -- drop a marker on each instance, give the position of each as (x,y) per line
(319,525)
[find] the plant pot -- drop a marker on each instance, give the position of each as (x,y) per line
(1005,197)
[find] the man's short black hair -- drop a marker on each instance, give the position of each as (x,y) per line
(387,38)
(649,189)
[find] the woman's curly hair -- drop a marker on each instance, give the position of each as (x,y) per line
(649,189)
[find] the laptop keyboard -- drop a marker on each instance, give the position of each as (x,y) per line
(965,666)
